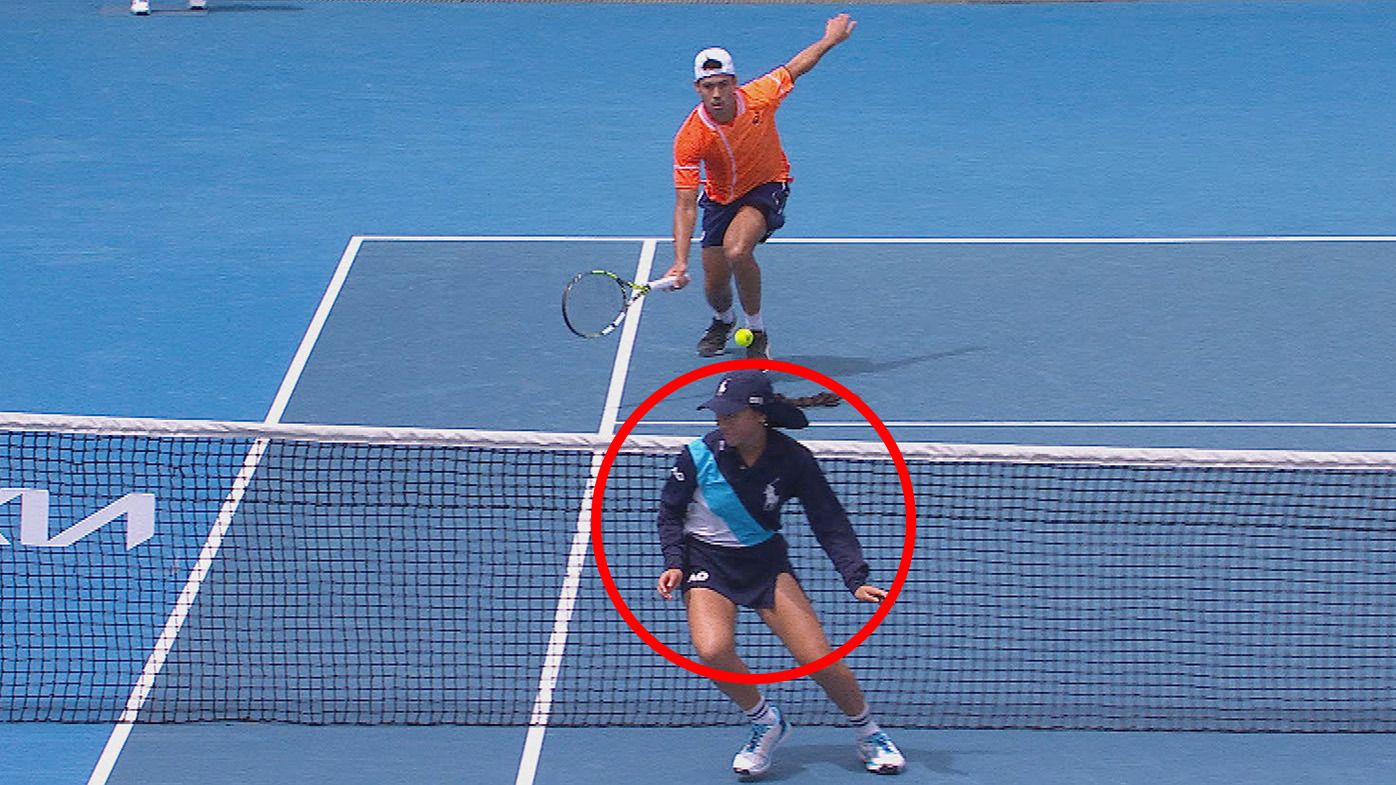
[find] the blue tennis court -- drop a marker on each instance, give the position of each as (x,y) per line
(1132,226)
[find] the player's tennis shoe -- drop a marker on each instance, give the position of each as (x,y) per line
(140,7)
(714,340)
(760,348)
(754,759)
(198,5)
(880,755)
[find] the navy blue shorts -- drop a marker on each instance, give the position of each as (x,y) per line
(746,576)
(769,199)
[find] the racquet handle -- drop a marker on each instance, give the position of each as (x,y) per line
(664,284)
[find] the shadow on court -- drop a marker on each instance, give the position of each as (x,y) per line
(833,366)
(839,367)
(795,761)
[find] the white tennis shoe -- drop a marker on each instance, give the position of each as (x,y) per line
(140,7)
(754,759)
(880,755)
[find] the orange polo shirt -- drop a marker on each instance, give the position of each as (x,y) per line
(740,155)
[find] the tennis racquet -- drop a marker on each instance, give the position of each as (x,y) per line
(595,302)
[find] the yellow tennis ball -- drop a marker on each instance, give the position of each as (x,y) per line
(744,337)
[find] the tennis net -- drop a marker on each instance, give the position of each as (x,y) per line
(163,571)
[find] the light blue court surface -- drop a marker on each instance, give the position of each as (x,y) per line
(177,193)
(176,150)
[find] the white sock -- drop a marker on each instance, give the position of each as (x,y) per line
(755,323)
(863,725)
(728,316)
(762,713)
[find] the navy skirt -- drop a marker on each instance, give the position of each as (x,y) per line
(746,576)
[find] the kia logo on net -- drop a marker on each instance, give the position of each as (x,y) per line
(138,510)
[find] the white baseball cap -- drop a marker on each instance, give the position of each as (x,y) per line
(713,54)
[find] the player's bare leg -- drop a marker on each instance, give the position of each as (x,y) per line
(712,622)
(794,621)
(747,229)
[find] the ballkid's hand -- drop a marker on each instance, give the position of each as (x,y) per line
(870,593)
(669,581)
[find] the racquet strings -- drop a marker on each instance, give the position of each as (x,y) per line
(593,302)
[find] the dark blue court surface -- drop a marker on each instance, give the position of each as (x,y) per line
(215,755)
(1249,344)
(1237,333)
(1201,195)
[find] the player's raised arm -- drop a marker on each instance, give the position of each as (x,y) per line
(836,31)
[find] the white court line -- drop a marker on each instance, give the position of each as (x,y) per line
(502,238)
(1058,424)
(629,330)
(312,332)
(581,539)
(1089,240)
(1203,239)
(106,762)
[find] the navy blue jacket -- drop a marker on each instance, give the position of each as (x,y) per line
(712,495)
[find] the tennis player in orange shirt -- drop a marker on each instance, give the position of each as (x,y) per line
(729,146)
